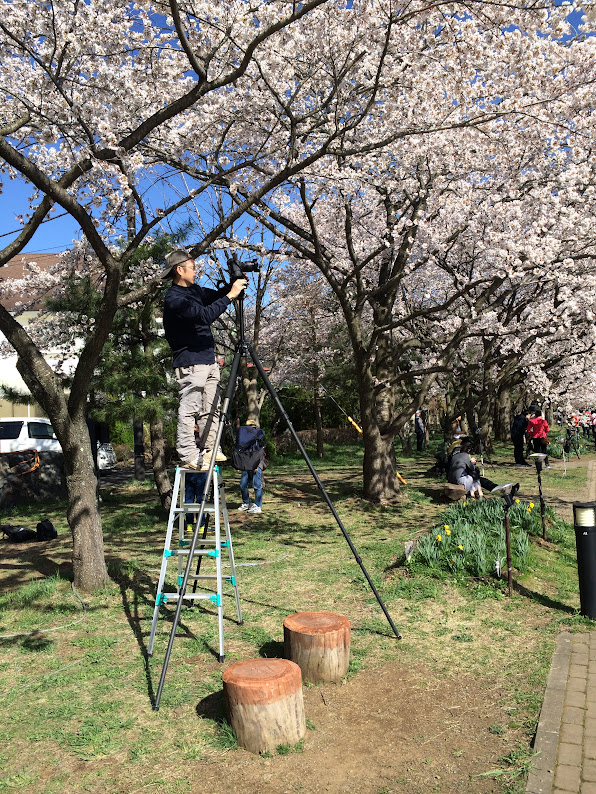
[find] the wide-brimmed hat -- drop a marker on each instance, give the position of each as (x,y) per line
(176,257)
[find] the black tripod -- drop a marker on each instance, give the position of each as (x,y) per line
(242,350)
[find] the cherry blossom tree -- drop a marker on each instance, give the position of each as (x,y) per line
(476,198)
(103,101)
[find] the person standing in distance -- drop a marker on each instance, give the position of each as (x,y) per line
(537,430)
(420,430)
(188,312)
(518,434)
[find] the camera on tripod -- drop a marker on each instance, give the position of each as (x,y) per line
(238,269)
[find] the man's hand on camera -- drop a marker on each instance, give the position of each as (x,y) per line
(237,288)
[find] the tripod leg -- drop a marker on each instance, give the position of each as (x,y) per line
(320,485)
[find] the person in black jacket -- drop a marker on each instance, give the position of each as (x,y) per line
(420,430)
(464,471)
(188,313)
(518,432)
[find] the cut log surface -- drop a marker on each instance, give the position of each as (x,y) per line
(319,643)
(454,492)
(264,703)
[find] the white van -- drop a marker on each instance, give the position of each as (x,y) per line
(26,432)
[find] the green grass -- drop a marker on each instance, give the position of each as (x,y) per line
(83,692)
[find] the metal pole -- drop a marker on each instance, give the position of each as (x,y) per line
(508,545)
(542,505)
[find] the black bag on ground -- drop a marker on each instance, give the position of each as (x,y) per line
(248,451)
(46,530)
(18,534)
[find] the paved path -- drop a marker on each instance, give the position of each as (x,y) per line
(566,737)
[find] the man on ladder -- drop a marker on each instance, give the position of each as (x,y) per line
(188,312)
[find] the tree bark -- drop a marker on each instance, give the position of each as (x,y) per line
(158,458)
(319,643)
(90,572)
(379,471)
(139,449)
(380,468)
(264,703)
(249,377)
(503,414)
(318,420)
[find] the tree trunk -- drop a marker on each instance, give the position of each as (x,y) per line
(139,449)
(380,468)
(250,385)
(318,421)
(503,414)
(485,420)
(406,441)
(90,572)
(158,458)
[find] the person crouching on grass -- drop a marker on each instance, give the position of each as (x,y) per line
(464,471)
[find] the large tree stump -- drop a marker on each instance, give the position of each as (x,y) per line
(264,703)
(319,643)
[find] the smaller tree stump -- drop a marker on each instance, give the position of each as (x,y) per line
(319,643)
(454,492)
(264,703)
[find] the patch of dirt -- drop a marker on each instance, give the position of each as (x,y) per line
(389,730)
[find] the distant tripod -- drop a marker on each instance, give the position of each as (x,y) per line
(243,349)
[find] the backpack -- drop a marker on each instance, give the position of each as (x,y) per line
(249,450)
(18,534)
(46,530)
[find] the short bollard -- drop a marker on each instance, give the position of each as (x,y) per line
(319,642)
(264,703)
(584,523)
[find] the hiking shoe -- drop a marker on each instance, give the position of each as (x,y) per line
(254,509)
(219,456)
(244,506)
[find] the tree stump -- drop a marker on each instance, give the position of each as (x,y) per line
(264,703)
(454,492)
(319,643)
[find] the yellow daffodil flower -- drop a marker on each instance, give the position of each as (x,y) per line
(460,547)
(439,538)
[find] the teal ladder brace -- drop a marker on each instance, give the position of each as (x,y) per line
(208,547)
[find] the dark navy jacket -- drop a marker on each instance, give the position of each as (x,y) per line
(187,315)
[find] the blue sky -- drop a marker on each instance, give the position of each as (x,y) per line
(51,237)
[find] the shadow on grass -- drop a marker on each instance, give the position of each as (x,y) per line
(213,707)
(272,650)
(539,598)
(24,557)
(141,589)
(141,586)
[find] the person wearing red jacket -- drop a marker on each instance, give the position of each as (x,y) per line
(536,431)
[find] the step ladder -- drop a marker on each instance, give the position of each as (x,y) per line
(205,545)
